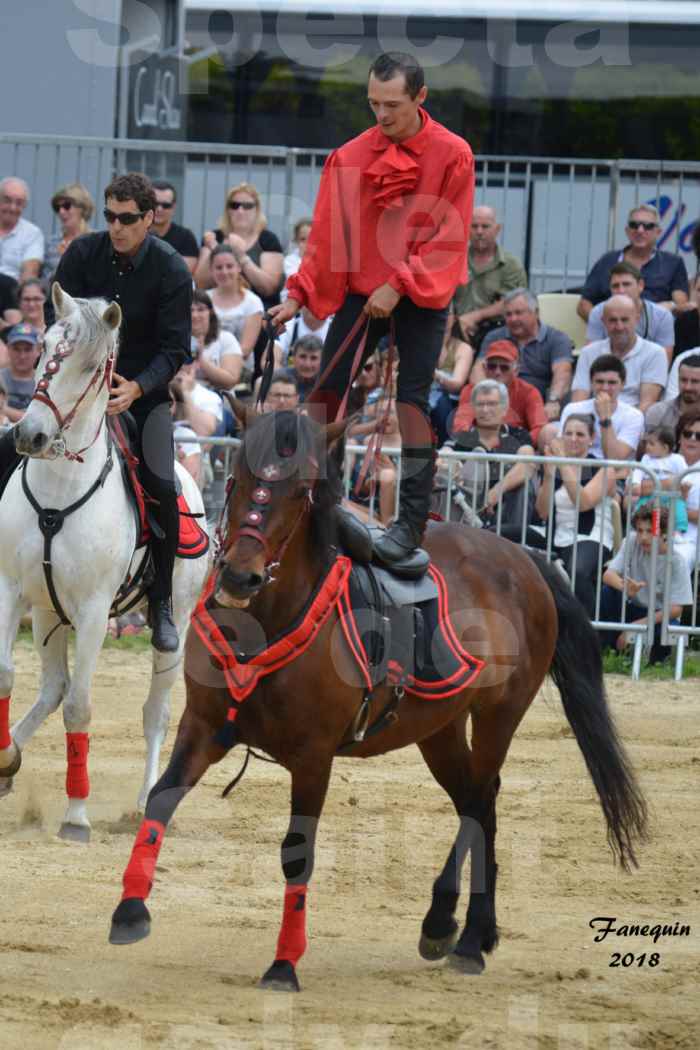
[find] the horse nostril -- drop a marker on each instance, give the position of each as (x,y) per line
(38,442)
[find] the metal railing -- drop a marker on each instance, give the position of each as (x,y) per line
(558,215)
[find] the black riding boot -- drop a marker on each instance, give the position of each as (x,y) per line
(160,619)
(406,534)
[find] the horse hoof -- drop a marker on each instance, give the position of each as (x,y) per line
(434,948)
(281,977)
(7,772)
(131,922)
(468,964)
(74,833)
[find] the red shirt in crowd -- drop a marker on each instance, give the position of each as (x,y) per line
(525,408)
(386,212)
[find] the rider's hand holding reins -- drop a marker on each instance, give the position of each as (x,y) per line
(123,393)
(382,301)
(279,315)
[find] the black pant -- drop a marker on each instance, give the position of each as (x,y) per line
(586,562)
(419,335)
(157,473)
(611,609)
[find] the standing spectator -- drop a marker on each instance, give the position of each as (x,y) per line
(257,250)
(74,207)
(32,299)
(451,374)
(218,353)
(292,260)
(492,273)
(18,377)
(630,571)
(654,322)
(305,323)
(646,364)
(179,237)
(21,242)
(618,426)
(239,310)
(306,354)
(684,379)
(545,358)
(525,408)
(665,275)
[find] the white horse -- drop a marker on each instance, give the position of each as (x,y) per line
(91,555)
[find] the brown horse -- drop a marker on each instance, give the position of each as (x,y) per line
(279,544)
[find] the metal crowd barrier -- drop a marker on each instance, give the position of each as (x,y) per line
(461,482)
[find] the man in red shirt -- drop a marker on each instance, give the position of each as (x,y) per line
(389,240)
(525,404)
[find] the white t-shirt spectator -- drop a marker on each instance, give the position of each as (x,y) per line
(655,324)
(233,318)
(687,544)
(182,429)
(645,363)
(25,241)
(296,329)
(672,384)
(638,566)
(207,400)
(224,346)
(663,466)
(627,423)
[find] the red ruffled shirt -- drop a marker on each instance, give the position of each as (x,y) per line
(386,212)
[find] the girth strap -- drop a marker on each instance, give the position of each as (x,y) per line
(51,522)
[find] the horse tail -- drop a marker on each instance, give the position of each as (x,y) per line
(577,671)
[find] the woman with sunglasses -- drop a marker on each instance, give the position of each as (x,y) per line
(258,252)
(74,207)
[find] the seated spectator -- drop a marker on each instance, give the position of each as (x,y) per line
(305,323)
(673,385)
(508,483)
(687,321)
(178,237)
(654,322)
(218,353)
(239,310)
(306,364)
(665,275)
(202,408)
(381,471)
(366,389)
(21,242)
(9,314)
(492,273)
(646,364)
(292,260)
(258,252)
(688,445)
(659,443)
(187,453)
(283,393)
(451,374)
(32,298)
(618,426)
(573,502)
(18,378)
(546,359)
(4,419)
(524,408)
(74,207)
(630,571)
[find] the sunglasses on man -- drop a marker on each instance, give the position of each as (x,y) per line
(165,204)
(637,224)
(126,218)
(498,366)
(246,205)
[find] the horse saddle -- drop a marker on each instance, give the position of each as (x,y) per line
(357,541)
(193,540)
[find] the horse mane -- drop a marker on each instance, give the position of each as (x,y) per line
(291,437)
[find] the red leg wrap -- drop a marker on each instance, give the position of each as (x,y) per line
(138,877)
(5,738)
(77,780)
(291,943)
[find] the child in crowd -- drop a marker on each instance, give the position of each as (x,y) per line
(667,465)
(629,572)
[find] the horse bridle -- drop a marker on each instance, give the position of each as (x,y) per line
(61,352)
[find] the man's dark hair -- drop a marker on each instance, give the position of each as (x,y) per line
(646,513)
(393,63)
(625,267)
(285,375)
(133,187)
(691,361)
(686,420)
(608,363)
(163,184)
(308,342)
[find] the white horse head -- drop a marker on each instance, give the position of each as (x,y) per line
(74,375)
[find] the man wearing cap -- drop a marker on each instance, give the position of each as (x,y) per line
(18,377)
(525,404)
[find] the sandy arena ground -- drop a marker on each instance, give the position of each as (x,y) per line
(386,831)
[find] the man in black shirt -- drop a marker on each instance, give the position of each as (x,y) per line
(153,287)
(179,237)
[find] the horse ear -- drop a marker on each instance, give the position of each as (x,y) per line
(243,413)
(112,316)
(63,304)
